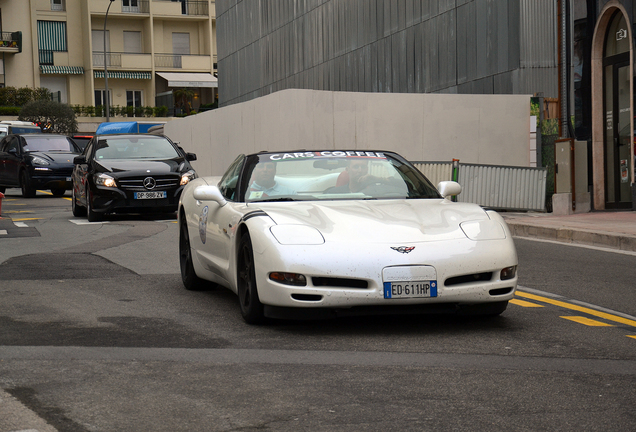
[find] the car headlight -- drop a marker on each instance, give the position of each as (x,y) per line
(105,180)
(186,177)
(39,161)
(483,230)
(297,235)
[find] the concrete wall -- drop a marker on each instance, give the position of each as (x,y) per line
(484,129)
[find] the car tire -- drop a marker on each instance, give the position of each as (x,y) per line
(252,309)
(92,215)
(484,309)
(28,191)
(78,210)
(189,277)
(58,192)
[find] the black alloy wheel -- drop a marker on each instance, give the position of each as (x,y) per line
(252,309)
(188,276)
(78,210)
(58,192)
(92,215)
(28,191)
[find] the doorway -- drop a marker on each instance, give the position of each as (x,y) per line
(617,97)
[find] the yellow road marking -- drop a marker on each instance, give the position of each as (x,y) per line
(631,336)
(524,303)
(578,308)
(24,219)
(587,321)
(19,211)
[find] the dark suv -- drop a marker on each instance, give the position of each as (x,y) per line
(37,161)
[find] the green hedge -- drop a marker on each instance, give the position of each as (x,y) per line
(120,111)
(17,97)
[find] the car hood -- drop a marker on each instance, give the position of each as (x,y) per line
(143,167)
(62,158)
(385,221)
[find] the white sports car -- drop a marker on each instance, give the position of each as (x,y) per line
(328,233)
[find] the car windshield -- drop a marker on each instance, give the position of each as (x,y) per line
(146,147)
(47,143)
(329,175)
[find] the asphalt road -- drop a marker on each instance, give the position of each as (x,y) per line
(98,334)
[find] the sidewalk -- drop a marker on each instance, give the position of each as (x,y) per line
(607,229)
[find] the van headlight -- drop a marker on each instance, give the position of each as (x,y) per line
(105,180)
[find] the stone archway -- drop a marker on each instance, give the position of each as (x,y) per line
(598,112)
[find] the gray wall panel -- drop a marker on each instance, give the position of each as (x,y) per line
(414,46)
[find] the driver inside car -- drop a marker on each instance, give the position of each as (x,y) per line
(264,183)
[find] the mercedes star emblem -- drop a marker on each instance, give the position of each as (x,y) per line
(149,183)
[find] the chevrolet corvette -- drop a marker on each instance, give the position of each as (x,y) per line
(317,234)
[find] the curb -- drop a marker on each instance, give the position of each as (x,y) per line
(610,240)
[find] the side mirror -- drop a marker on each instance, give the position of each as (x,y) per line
(78,160)
(191,157)
(13,151)
(449,188)
(209,193)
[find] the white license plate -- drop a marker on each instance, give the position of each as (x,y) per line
(409,282)
(411,289)
(150,195)
(69,179)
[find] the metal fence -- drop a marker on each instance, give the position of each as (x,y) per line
(493,186)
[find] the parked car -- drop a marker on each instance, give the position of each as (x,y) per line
(129,173)
(8,127)
(37,161)
(82,139)
(329,233)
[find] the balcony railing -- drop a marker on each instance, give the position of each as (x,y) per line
(136,6)
(114,59)
(168,60)
(46,57)
(11,40)
(191,7)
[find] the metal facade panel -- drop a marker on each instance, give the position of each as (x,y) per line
(503,187)
(435,171)
(413,46)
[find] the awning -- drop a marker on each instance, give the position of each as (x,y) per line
(189,79)
(62,70)
(124,75)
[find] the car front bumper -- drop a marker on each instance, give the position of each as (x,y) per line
(114,200)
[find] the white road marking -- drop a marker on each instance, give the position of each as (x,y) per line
(3,232)
(20,224)
(85,222)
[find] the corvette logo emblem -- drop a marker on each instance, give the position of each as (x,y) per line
(403,249)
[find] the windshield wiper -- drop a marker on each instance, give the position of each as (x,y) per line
(280,199)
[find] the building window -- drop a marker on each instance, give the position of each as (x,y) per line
(57,5)
(99,97)
(51,38)
(130,6)
(132,42)
(134,98)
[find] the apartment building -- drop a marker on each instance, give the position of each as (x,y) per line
(149,48)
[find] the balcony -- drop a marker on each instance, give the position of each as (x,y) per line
(126,61)
(188,7)
(99,7)
(11,42)
(190,62)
